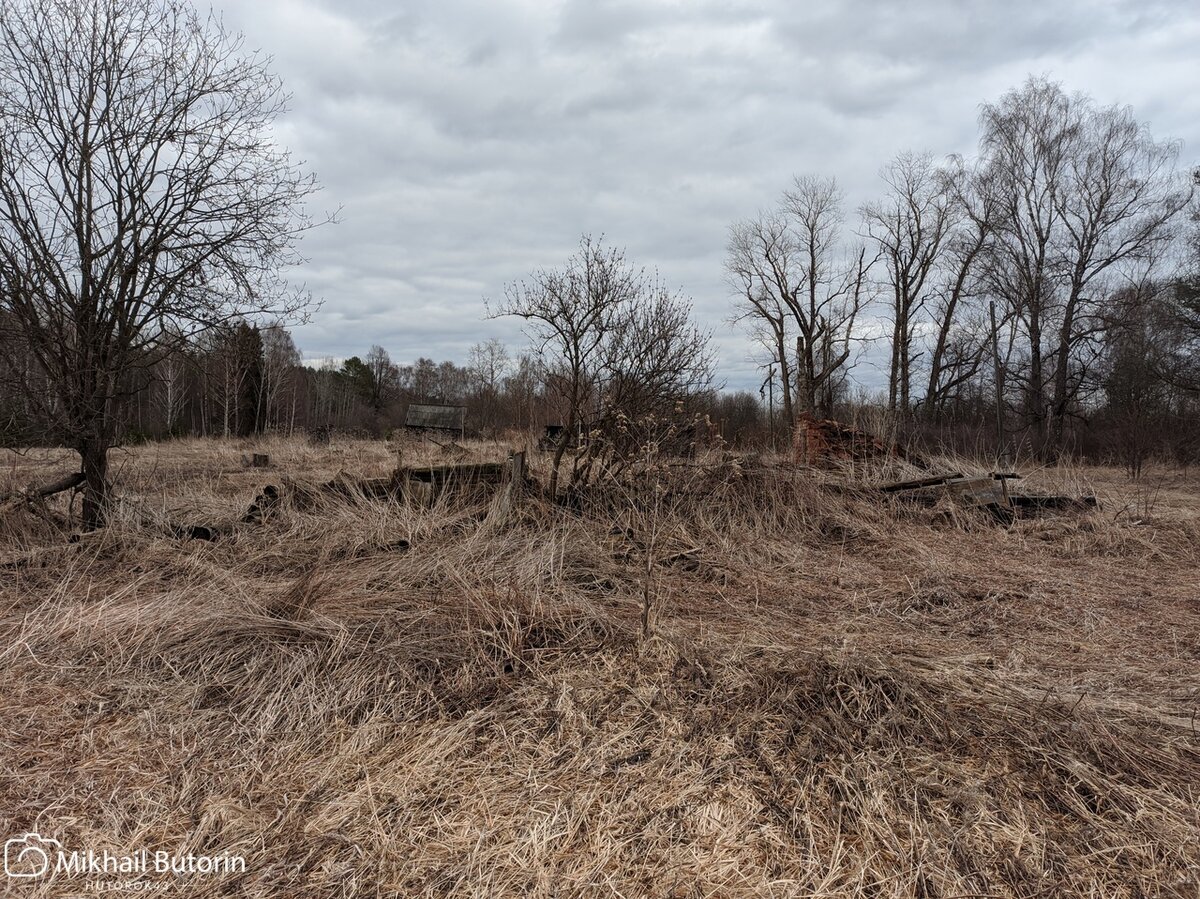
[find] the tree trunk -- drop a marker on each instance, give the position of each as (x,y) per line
(559,452)
(826,402)
(894,372)
(1037,385)
(93,454)
(785,380)
(1061,400)
(806,388)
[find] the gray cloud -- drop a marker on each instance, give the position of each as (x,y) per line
(470,141)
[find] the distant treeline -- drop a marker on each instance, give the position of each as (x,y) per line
(249,379)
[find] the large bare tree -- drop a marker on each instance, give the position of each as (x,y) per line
(957,348)
(1081,193)
(910,225)
(798,281)
(280,362)
(142,199)
(488,362)
(761,263)
(834,291)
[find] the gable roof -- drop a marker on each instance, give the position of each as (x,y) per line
(435,417)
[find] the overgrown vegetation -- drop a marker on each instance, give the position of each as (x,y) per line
(673,662)
(721,677)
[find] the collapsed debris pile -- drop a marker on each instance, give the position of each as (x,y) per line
(989,493)
(824,443)
(426,481)
(818,443)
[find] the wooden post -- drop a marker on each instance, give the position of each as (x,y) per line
(512,490)
(516,471)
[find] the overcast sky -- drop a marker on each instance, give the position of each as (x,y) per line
(468,142)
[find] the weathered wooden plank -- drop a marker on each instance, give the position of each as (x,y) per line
(479,472)
(934,481)
(979,491)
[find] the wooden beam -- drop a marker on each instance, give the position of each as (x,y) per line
(921,482)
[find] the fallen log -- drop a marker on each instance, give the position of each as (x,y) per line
(193,531)
(477,473)
(14,500)
(512,475)
(368,488)
(64,483)
(990,493)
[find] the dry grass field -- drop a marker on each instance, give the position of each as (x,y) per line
(837,695)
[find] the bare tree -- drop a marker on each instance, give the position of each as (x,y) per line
(171,373)
(280,362)
(797,281)
(834,290)
(232,358)
(1137,397)
(423,380)
(958,348)
(489,363)
(385,379)
(1080,192)
(655,361)
(1027,140)
(569,314)
(141,195)
(1125,197)
(1187,299)
(910,225)
(762,264)
(521,390)
(1181,367)
(614,344)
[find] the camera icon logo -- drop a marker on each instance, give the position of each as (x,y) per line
(29,855)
